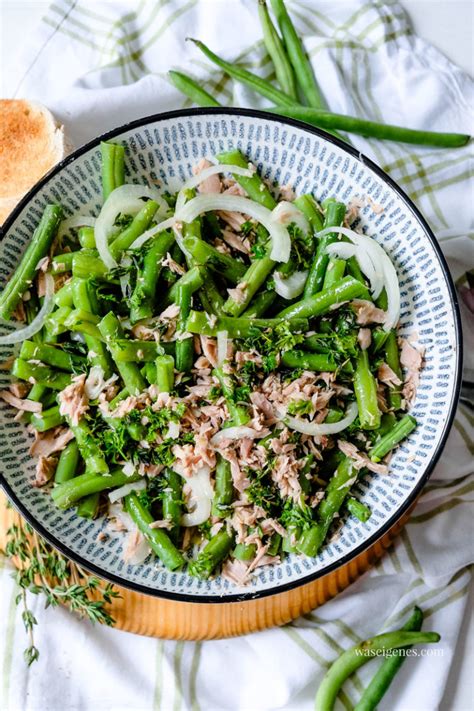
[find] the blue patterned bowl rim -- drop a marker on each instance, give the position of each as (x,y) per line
(398,513)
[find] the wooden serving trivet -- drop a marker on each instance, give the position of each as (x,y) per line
(155,617)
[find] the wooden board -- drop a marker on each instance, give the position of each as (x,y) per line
(154,617)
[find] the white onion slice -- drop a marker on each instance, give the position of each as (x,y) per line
(281,243)
(345,250)
(74,222)
(206,173)
(141,549)
(200,497)
(384,270)
(122,491)
(123,200)
(23,334)
(222,341)
(286,213)
(292,286)
(160,227)
(238,432)
(313,429)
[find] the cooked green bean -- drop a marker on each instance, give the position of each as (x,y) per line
(67,463)
(158,539)
(319,304)
(254,186)
(38,248)
(65,495)
(198,322)
(213,553)
(401,430)
(113,167)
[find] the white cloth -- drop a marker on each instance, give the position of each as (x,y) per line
(98,64)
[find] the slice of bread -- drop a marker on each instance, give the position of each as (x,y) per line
(31,142)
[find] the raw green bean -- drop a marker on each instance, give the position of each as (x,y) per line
(190,88)
(111,330)
(51,355)
(158,539)
(199,322)
(365,388)
(205,254)
(184,346)
(38,248)
(334,217)
(224,489)
(401,430)
(358,509)
(298,57)
(68,463)
(137,227)
(372,129)
(213,553)
(275,48)
(319,304)
(172,501)
(319,362)
(113,168)
(36,373)
(65,495)
(385,674)
(360,654)
(255,82)
(254,186)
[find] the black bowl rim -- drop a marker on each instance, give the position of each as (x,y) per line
(276,590)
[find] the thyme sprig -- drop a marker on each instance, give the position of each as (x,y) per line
(42,569)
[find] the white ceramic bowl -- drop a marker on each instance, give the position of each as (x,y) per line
(164,148)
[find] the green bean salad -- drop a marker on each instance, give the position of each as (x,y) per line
(213,370)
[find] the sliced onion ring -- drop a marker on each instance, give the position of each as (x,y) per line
(292,286)
(315,430)
(286,213)
(281,243)
(74,222)
(200,497)
(126,489)
(382,265)
(238,432)
(126,200)
(206,173)
(222,342)
(24,334)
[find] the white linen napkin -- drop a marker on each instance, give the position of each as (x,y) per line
(97,64)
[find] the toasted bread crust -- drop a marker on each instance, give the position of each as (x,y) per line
(31,142)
